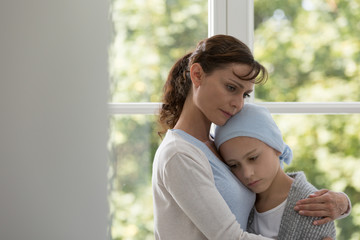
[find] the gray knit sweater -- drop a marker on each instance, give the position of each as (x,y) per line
(294,226)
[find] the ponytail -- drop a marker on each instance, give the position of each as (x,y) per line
(175,90)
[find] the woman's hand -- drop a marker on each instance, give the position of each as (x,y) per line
(323,203)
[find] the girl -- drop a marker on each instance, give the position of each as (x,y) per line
(251,144)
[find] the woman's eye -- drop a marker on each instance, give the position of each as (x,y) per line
(246,95)
(230,88)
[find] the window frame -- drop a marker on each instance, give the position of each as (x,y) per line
(236,18)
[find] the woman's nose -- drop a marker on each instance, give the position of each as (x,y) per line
(237,104)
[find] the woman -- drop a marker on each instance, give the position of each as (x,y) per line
(195,194)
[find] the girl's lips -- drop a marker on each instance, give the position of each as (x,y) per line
(253,183)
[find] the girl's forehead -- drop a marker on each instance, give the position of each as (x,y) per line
(242,143)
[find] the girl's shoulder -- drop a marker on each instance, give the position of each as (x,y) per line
(300,188)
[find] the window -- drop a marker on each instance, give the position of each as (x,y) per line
(148,37)
(313,89)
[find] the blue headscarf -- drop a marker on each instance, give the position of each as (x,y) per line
(254,121)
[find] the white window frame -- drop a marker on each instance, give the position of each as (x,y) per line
(236,18)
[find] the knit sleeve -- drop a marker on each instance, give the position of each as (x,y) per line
(295,226)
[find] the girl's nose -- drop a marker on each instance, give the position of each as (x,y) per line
(248,172)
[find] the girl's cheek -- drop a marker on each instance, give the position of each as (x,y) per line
(237,173)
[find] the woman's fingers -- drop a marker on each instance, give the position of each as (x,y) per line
(311,207)
(322,221)
(312,213)
(319,193)
(324,203)
(317,197)
(317,210)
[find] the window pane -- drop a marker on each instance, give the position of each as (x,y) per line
(132,145)
(326,148)
(311,49)
(149,35)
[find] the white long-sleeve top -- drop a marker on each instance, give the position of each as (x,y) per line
(187,204)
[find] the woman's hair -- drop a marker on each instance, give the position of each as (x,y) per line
(212,53)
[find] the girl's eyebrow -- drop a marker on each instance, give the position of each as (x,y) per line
(229,161)
(250,153)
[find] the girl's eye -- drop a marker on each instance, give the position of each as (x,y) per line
(253,158)
(232,166)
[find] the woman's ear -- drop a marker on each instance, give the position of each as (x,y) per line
(196,74)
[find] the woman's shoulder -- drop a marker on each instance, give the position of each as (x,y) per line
(175,145)
(173,141)
(176,153)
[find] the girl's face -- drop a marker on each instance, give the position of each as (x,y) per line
(253,162)
(221,94)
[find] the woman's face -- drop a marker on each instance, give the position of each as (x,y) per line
(221,94)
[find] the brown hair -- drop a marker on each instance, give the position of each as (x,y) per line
(212,53)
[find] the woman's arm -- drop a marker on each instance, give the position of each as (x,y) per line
(325,203)
(192,186)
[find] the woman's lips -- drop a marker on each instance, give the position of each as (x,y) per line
(228,115)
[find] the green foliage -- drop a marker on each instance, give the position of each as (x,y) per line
(132,143)
(313,54)
(150,36)
(312,51)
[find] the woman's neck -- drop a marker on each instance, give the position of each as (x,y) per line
(194,122)
(275,194)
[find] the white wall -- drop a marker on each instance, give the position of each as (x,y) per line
(53,119)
